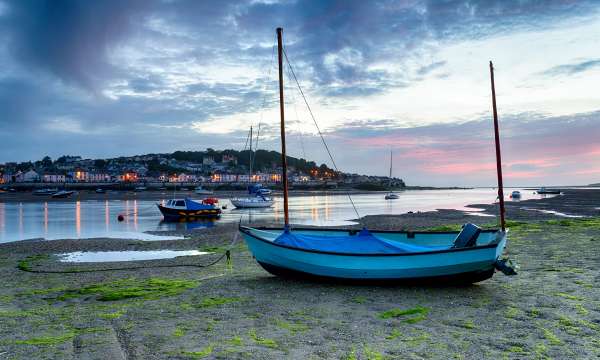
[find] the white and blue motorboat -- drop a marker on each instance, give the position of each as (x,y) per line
(188,209)
(466,256)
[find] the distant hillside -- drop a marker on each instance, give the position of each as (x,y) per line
(595,184)
(263,159)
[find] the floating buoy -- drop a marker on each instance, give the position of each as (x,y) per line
(120,217)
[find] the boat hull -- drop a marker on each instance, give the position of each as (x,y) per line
(179,214)
(468,264)
(459,278)
(62,194)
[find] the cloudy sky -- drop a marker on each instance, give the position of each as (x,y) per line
(109,78)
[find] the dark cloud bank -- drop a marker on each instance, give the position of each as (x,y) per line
(57,62)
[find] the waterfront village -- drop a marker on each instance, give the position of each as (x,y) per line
(203,167)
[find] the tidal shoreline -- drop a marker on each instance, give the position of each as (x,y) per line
(177,309)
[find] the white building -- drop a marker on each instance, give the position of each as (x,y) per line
(208,160)
(232,159)
(54,178)
(29,176)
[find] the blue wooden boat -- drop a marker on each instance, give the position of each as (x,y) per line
(377,255)
(470,255)
(188,209)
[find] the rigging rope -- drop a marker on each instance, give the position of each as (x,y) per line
(264,104)
(294,102)
(317,126)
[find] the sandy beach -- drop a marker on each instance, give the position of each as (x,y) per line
(178,309)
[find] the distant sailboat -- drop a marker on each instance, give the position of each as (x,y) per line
(257,198)
(391,195)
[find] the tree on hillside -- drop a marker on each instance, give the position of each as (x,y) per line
(100,164)
(47,162)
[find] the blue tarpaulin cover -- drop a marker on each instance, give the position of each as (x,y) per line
(361,243)
(194,205)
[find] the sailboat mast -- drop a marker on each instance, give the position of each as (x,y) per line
(281,109)
(498,157)
(391,162)
(250,167)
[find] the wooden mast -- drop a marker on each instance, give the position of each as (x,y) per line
(281,105)
(498,156)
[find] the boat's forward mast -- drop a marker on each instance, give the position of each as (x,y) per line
(282,115)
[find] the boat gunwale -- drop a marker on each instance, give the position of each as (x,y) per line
(492,245)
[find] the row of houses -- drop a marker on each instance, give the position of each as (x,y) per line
(81,176)
(71,176)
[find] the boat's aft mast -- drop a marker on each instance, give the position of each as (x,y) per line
(281,107)
(498,157)
(250,167)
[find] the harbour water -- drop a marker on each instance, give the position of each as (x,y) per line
(98,218)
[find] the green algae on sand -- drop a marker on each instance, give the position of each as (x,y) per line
(147,289)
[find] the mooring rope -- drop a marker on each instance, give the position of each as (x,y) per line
(226,254)
(136,212)
(318,128)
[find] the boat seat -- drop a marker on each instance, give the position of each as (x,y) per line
(467,236)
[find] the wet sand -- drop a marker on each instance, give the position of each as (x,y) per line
(550,310)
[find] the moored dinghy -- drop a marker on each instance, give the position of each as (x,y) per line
(470,255)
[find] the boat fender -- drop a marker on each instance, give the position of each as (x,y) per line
(410,235)
(352,232)
(506,266)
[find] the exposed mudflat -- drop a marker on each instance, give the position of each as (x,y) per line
(150,311)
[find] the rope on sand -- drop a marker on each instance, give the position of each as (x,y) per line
(226,254)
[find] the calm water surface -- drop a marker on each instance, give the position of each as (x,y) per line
(88,219)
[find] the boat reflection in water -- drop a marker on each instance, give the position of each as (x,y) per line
(188,224)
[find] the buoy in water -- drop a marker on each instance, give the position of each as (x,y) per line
(120,217)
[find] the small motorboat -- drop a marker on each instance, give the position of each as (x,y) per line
(199,190)
(544,191)
(43,192)
(264,191)
(63,194)
(258,201)
(391,196)
(515,195)
(178,209)
(140,188)
(100,191)
(255,200)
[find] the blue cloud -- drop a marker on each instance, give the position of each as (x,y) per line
(572,69)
